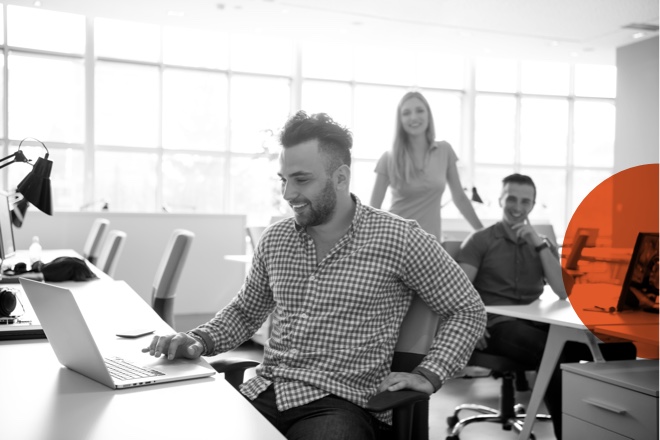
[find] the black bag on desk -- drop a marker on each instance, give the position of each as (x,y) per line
(66,269)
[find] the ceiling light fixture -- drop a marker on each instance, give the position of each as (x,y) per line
(638,35)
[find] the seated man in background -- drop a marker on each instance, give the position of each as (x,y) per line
(338,277)
(509,263)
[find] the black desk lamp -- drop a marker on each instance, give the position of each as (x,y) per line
(35,187)
(475,196)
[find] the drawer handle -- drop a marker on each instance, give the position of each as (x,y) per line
(604,406)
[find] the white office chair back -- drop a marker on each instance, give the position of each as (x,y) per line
(420,324)
(110,252)
(169,272)
(95,237)
(254,234)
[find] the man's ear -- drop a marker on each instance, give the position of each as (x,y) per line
(343,177)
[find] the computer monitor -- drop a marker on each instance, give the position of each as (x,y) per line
(591,233)
(7,246)
(641,282)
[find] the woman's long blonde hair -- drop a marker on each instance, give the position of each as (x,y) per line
(401,168)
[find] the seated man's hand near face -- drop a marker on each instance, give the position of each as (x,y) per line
(527,232)
(179,345)
(396,381)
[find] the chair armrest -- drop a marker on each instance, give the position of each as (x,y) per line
(233,369)
(230,365)
(395,399)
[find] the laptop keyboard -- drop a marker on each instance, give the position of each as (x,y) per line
(124,370)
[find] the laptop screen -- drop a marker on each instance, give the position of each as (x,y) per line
(7,247)
(640,287)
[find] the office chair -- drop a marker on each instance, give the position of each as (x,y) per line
(410,408)
(254,234)
(95,237)
(509,415)
(110,252)
(169,272)
(571,264)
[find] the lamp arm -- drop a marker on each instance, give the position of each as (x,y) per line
(18,157)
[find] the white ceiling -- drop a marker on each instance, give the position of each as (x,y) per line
(583,30)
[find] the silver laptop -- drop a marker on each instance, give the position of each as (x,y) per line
(74,344)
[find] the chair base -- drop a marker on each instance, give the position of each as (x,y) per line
(509,422)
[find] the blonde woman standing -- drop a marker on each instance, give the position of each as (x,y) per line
(418,168)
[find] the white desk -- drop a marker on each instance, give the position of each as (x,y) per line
(28,325)
(245,259)
(43,400)
(565,325)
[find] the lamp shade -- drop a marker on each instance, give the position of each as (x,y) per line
(35,187)
(475,196)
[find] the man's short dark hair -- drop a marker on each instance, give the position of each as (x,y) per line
(520,179)
(335,140)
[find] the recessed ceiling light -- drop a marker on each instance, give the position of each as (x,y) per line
(37,4)
(638,35)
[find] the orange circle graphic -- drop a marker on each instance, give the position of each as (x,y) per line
(610,259)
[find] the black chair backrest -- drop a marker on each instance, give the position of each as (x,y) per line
(576,252)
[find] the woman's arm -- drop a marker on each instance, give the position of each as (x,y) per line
(380,188)
(461,201)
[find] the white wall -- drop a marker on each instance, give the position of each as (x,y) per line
(208,282)
(636,139)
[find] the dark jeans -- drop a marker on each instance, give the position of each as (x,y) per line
(524,342)
(329,418)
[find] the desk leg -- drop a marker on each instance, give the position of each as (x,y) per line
(553,349)
(557,337)
(592,342)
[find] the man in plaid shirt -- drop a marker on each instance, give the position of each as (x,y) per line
(338,279)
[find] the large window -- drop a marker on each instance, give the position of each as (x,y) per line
(146,118)
(532,118)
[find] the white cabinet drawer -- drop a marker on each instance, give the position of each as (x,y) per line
(573,428)
(624,411)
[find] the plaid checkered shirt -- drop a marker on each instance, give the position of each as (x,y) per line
(335,323)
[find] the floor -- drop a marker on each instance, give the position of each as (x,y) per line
(483,390)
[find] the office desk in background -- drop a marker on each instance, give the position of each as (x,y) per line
(44,400)
(565,325)
(27,326)
(615,260)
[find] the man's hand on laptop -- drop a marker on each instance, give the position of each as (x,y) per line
(175,346)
